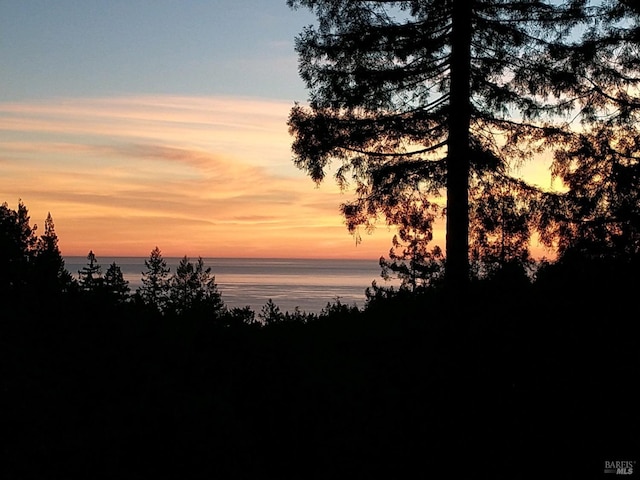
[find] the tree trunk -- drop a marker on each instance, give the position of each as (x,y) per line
(457,242)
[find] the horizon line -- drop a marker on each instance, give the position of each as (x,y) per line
(225,257)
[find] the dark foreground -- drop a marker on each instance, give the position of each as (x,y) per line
(517,383)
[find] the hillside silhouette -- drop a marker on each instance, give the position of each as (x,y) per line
(481,362)
(533,377)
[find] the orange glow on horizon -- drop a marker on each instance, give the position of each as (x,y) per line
(208,177)
(197,176)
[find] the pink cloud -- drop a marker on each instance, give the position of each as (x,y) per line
(204,176)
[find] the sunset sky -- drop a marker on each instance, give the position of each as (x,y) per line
(139,123)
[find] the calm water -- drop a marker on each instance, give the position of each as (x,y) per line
(308,284)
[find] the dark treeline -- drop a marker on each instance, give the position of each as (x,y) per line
(535,378)
(483,363)
(34,274)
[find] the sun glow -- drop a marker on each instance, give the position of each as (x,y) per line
(200,176)
(208,176)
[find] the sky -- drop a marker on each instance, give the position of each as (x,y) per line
(139,123)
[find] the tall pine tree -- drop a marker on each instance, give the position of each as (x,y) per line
(193,291)
(90,276)
(116,288)
(50,274)
(155,281)
(17,242)
(429,95)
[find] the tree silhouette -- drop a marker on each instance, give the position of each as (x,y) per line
(17,242)
(90,276)
(430,95)
(410,258)
(50,274)
(599,161)
(155,281)
(30,266)
(501,220)
(270,313)
(602,206)
(193,290)
(116,287)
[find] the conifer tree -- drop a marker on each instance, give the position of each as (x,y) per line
(17,242)
(50,273)
(155,280)
(501,226)
(411,259)
(599,160)
(429,95)
(270,313)
(116,287)
(193,290)
(90,276)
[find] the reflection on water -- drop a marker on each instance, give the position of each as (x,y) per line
(307,284)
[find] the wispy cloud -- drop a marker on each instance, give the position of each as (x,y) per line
(205,176)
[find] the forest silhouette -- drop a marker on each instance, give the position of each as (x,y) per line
(483,363)
(534,376)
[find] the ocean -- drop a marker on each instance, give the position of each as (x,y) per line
(304,283)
